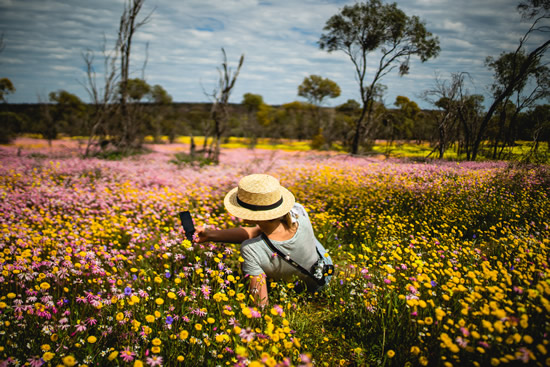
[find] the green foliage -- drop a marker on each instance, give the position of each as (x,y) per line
(137,89)
(159,95)
(117,155)
(11,124)
(6,87)
(316,88)
(67,114)
(252,102)
(184,159)
(350,107)
(318,141)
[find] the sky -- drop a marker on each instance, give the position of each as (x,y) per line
(180,47)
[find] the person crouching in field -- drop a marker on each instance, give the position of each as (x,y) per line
(279,244)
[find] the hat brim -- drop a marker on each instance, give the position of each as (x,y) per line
(233,207)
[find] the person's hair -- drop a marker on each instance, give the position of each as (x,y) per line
(287,221)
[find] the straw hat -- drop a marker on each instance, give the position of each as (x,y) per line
(259,197)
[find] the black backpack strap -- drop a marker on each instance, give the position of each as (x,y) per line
(290,261)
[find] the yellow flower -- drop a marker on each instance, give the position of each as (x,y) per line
(155,350)
(181,358)
(415,350)
(439,314)
(45,286)
(119,316)
(241,351)
(113,355)
(45,347)
(91,339)
(198,327)
(48,356)
(528,339)
(221,338)
(156,341)
(542,349)
(11,295)
(171,295)
(138,363)
(210,320)
(159,301)
(184,334)
(150,318)
(69,361)
(390,353)
(3,305)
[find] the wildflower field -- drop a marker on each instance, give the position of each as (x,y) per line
(440,264)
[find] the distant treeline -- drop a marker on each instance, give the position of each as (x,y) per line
(322,126)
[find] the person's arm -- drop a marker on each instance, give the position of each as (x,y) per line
(230,235)
(258,289)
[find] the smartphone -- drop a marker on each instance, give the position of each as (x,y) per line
(187,223)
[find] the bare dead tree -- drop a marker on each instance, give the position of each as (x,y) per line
(444,96)
(220,96)
(106,110)
(129,24)
(102,98)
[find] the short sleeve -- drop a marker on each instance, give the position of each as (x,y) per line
(298,209)
(251,264)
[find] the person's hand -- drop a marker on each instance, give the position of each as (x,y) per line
(201,234)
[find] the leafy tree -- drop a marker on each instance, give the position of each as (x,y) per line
(11,124)
(69,112)
(159,95)
(362,28)
(534,87)
(294,119)
(66,113)
(252,102)
(512,71)
(136,89)
(316,88)
(351,106)
(407,113)
(162,109)
(6,87)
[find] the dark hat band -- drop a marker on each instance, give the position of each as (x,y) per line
(259,207)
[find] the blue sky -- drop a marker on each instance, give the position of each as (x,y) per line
(44,41)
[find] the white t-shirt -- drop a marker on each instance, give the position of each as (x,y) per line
(258,257)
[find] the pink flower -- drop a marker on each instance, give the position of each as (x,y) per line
(154,361)
(35,361)
(127,355)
